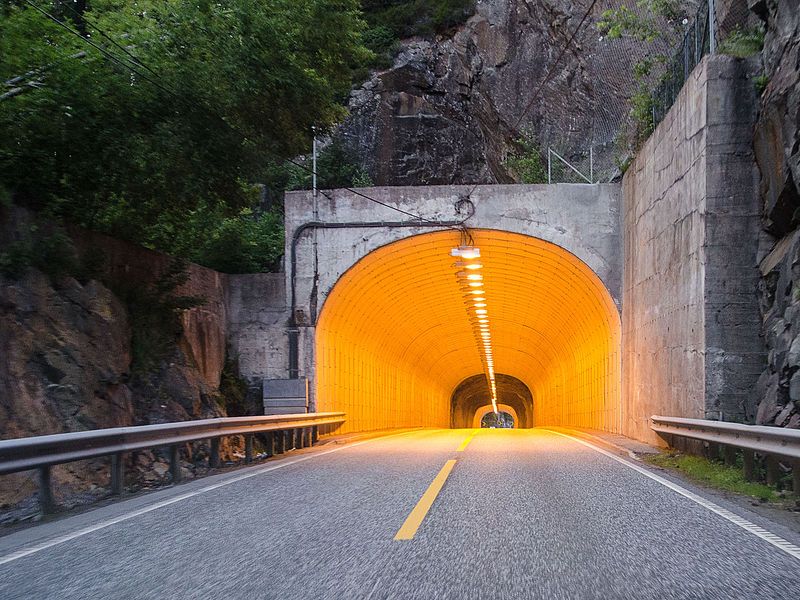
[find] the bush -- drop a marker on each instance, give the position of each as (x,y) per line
(526,163)
(247,243)
(742,43)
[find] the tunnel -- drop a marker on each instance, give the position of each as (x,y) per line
(471,400)
(394,345)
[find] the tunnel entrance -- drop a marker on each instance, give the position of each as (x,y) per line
(498,420)
(470,401)
(394,344)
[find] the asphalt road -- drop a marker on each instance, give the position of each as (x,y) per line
(522,514)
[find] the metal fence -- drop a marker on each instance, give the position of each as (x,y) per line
(699,39)
(598,150)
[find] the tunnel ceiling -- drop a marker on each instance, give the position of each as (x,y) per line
(394,339)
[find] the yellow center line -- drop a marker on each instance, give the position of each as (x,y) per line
(466,441)
(409,529)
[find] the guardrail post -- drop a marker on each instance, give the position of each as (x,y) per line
(270,444)
(796,477)
(297,438)
(175,463)
(118,473)
(280,438)
(248,448)
(773,471)
(730,455)
(306,437)
(46,502)
(213,459)
(749,462)
(314,435)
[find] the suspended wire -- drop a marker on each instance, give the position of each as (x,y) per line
(132,67)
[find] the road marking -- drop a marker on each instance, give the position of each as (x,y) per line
(33,549)
(760,532)
(409,528)
(466,441)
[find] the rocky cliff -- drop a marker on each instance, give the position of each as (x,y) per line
(67,360)
(777,150)
(451,108)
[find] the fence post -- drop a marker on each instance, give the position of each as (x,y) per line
(549,167)
(118,473)
(46,502)
(712,27)
(591,163)
(175,463)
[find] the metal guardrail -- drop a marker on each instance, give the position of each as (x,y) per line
(42,452)
(770,442)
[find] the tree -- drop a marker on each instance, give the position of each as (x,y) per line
(202,103)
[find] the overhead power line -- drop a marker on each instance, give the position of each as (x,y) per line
(132,66)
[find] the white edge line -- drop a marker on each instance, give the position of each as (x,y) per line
(760,532)
(141,511)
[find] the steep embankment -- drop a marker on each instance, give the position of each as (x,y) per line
(777,149)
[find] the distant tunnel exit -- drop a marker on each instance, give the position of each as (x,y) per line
(394,345)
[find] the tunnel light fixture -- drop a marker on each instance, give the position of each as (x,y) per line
(475,297)
(466,252)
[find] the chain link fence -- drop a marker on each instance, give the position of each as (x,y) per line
(621,121)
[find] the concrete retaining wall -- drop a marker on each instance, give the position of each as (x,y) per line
(691,343)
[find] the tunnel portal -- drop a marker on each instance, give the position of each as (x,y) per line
(394,341)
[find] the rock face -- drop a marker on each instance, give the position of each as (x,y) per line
(449,109)
(65,365)
(777,149)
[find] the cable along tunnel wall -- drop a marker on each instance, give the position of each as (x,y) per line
(394,341)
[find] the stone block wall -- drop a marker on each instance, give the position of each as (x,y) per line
(691,343)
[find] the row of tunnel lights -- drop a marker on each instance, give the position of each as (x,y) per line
(470,282)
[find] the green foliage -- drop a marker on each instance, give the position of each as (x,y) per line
(713,473)
(246,243)
(383,43)
(238,86)
(407,18)
(154,312)
(337,167)
(761,83)
(742,43)
(645,25)
(526,163)
(46,248)
(642,112)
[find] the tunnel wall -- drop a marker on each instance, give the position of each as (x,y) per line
(690,229)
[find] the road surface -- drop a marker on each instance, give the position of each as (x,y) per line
(427,514)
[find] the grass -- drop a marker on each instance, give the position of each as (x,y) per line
(714,474)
